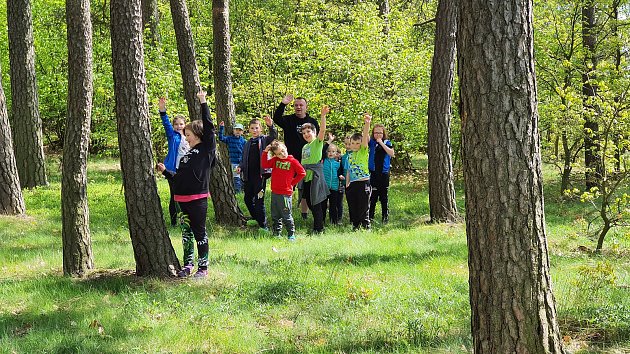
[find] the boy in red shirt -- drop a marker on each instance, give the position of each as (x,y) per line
(286,172)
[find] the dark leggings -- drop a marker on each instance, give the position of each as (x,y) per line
(172,206)
(254,204)
(318,212)
(194,228)
(380,189)
(333,204)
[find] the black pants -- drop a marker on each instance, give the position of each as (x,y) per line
(336,209)
(380,189)
(358,196)
(173,209)
(194,225)
(318,212)
(255,204)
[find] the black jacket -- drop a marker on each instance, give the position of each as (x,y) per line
(291,126)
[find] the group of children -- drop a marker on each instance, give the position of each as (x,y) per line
(308,162)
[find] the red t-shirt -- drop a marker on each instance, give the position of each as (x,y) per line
(284,173)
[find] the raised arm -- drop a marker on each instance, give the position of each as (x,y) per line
(208,127)
(367,119)
(166,122)
(273,132)
(265,161)
(322,123)
(278,114)
(222,137)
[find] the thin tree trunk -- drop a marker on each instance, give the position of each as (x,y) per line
(592,160)
(221,183)
(383,11)
(513,307)
(152,247)
(186,55)
(150,20)
(11,200)
(77,244)
(27,125)
(441,185)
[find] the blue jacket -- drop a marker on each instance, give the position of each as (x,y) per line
(174,139)
(376,156)
(235,145)
(332,170)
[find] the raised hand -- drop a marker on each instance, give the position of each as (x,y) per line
(367,118)
(202,96)
(268,120)
(222,124)
(331,138)
(287,99)
(162,104)
(325,110)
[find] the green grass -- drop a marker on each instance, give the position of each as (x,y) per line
(401,288)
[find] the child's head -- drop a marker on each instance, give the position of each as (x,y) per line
(346,142)
(279,149)
(379,132)
(179,122)
(238,130)
(355,142)
(194,132)
(333,151)
(309,132)
(255,128)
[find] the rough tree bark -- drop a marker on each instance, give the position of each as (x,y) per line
(592,160)
(11,200)
(77,244)
(25,119)
(186,55)
(441,186)
(152,247)
(150,20)
(513,307)
(221,178)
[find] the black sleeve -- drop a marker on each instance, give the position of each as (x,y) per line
(208,129)
(170,175)
(278,115)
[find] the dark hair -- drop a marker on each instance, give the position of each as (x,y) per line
(195,127)
(384,130)
(356,136)
(301,98)
(310,126)
(255,121)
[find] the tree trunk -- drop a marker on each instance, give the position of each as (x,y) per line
(11,200)
(77,244)
(27,125)
(223,196)
(441,185)
(186,55)
(592,160)
(152,247)
(513,308)
(150,20)
(383,11)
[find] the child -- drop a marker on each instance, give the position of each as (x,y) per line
(315,190)
(333,172)
(379,162)
(254,178)
(190,188)
(358,177)
(235,148)
(177,147)
(286,172)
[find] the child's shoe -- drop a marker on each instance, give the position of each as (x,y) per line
(291,238)
(201,273)
(185,271)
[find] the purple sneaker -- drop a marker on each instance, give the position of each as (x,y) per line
(201,273)
(185,271)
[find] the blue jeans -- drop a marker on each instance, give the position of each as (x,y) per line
(238,183)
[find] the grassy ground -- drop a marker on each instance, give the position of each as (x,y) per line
(400,288)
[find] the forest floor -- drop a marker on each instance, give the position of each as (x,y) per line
(402,287)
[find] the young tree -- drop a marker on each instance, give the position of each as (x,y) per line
(150,20)
(11,200)
(77,244)
(152,247)
(513,307)
(441,186)
(221,180)
(27,125)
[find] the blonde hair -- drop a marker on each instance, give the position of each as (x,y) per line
(277,145)
(179,117)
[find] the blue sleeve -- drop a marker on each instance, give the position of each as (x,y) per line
(168,127)
(222,137)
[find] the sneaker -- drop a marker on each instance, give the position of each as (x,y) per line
(185,271)
(291,238)
(304,216)
(201,273)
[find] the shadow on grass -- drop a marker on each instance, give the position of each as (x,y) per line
(369,259)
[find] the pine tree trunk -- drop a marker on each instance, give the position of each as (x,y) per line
(11,200)
(441,185)
(152,247)
(150,20)
(186,55)
(25,120)
(77,244)
(222,187)
(383,11)
(592,160)
(513,308)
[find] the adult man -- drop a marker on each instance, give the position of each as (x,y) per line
(292,127)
